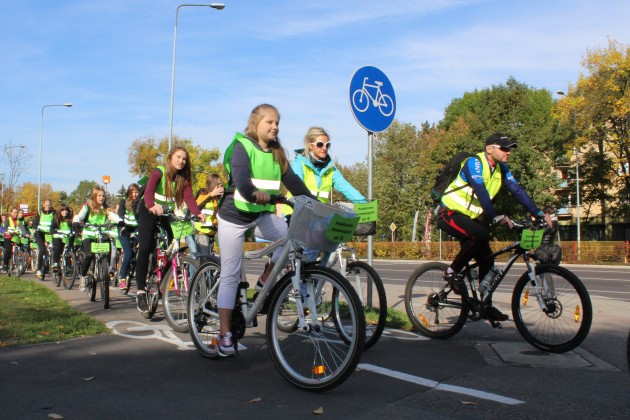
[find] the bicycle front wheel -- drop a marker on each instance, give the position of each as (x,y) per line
(369,286)
(316,358)
(175,294)
(20,263)
(90,283)
(557,318)
(103,280)
(202,308)
(434,310)
(69,269)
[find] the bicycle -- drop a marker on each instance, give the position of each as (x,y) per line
(558,320)
(98,273)
(69,263)
(365,280)
(175,284)
(315,326)
(382,101)
(166,262)
(18,260)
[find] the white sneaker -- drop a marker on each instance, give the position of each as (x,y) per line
(39,274)
(82,284)
(226,345)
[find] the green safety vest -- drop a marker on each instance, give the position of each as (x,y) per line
(63,230)
(130,218)
(266,174)
(97,219)
(45,221)
(462,197)
(160,190)
(14,230)
(323,193)
(209,210)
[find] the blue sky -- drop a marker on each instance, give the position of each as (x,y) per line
(112,59)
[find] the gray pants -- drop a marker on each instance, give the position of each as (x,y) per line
(231,238)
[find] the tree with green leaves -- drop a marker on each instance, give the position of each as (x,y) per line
(596,115)
(145,154)
(82,193)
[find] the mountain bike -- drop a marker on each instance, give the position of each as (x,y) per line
(315,324)
(98,273)
(550,305)
(366,281)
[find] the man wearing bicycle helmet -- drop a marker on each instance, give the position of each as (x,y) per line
(469,196)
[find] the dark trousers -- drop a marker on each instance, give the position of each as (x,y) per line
(40,238)
(8,249)
(89,256)
(147,223)
(57,249)
(127,251)
(473,239)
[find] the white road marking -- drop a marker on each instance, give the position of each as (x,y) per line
(439,386)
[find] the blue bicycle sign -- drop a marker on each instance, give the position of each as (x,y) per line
(372,99)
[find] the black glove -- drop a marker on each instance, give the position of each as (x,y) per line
(121,224)
(76,226)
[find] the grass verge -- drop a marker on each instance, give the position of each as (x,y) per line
(31,313)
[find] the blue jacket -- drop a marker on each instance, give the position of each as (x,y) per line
(339,182)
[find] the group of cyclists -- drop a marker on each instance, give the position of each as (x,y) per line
(257,165)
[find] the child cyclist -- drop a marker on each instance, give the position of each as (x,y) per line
(94,211)
(125,212)
(169,185)
(208,201)
(62,226)
(42,226)
(256,164)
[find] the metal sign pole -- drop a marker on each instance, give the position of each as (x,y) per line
(370,237)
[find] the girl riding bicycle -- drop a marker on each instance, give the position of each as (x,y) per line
(94,211)
(125,212)
(62,226)
(315,167)
(43,226)
(169,185)
(208,200)
(256,164)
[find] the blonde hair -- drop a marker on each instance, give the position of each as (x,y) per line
(310,137)
(257,114)
(128,201)
(93,204)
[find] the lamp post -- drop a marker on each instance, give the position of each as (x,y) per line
(41,139)
(577,190)
(216,6)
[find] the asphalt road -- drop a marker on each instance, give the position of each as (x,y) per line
(144,369)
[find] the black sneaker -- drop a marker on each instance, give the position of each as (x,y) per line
(456,282)
(494,314)
(143,304)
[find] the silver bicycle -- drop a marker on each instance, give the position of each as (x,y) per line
(315,325)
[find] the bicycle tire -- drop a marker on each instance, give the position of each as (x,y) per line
(570,314)
(434,310)
(90,283)
(358,273)
(103,279)
(153,295)
(20,262)
(202,299)
(315,359)
(69,269)
(56,277)
(131,273)
(175,299)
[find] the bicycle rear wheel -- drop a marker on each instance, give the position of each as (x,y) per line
(20,263)
(103,280)
(175,294)
(314,358)
(202,308)
(434,310)
(559,318)
(361,275)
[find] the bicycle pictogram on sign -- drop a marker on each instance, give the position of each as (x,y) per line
(372,99)
(361,98)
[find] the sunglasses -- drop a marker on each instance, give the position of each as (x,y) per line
(502,148)
(321,144)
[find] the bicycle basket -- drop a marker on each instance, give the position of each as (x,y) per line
(321,226)
(531,238)
(367,213)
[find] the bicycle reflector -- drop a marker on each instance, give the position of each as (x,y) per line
(319,370)
(525,297)
(577,313)
(423,320)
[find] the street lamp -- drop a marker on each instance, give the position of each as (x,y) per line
(577,190)
(21,146)
(41,138)
(217,6)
